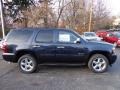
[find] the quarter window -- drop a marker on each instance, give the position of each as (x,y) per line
(19,36)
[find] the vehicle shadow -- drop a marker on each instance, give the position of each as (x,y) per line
(58,68)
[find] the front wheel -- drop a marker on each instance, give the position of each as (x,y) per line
(98,63)
(27,63)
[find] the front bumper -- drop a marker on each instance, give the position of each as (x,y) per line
(113,58)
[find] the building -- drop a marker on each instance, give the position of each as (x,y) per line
(116,22)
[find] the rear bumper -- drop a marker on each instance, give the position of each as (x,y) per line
(113,58)
(10,57)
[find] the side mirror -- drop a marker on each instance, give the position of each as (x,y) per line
(78,40)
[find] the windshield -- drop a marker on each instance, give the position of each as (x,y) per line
(90,34)
(117,34)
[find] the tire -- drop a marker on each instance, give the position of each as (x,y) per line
(98,63)
(27,64)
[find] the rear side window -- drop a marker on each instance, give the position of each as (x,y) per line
(45,36)
(19,36)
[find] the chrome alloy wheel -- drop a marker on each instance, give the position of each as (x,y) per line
(26,64)
(99,64)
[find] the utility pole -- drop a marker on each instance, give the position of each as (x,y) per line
(46,13)
(91,12)
(2,18)
(84,13)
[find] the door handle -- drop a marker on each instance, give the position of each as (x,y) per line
(60,47)
(36,46)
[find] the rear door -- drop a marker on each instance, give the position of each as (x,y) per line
(44,45)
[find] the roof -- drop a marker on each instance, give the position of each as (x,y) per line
(42,29)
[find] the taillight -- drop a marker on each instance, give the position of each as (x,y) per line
(4,47)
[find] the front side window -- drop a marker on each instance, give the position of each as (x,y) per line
(117,34)
(44,36)
(67,37)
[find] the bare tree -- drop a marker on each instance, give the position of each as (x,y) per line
(71,13)
(60,6)
(101,15)
(75,15)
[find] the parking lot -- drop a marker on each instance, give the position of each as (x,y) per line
(59,77)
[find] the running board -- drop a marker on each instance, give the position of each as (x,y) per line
(63,64)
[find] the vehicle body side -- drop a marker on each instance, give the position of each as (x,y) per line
(56,51)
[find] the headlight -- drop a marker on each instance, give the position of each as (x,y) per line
(113,50)
(118,40)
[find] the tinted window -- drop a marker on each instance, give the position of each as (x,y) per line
(19,36)
(117,34)
(67,37)
(44,36)
(111,35)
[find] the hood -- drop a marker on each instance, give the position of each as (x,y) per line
(100,45)
(92,37)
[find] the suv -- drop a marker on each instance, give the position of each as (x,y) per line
(32,46)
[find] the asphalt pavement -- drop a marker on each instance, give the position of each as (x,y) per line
(55,77)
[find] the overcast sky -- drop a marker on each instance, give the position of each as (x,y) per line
(113,6)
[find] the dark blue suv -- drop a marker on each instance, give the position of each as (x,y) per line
(32,46)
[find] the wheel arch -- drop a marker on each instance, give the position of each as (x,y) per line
(105,53)
(23,52)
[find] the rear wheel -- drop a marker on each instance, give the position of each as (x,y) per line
(98,63)
(27,63)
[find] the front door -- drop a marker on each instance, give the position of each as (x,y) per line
(67,50)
